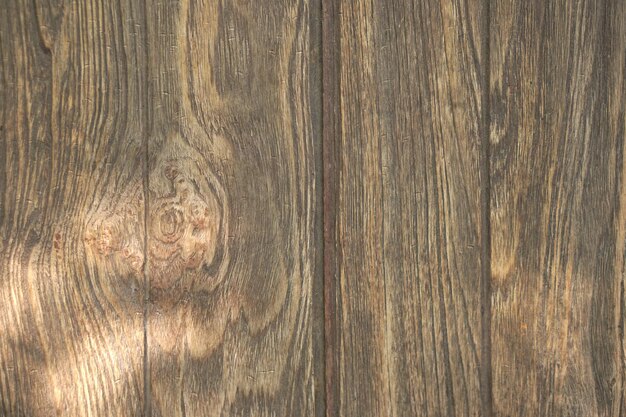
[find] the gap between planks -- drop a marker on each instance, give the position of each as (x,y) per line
(331,133)
(485,210)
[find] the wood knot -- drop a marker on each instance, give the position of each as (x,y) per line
(186,224)
(170,223)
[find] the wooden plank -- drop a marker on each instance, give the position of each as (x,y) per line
(407,302)
(71,204)
(233,207)
(558,217)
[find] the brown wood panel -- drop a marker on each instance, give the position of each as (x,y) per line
(71,129)
(176,146)
(406,306)
(558,219)
(233,216)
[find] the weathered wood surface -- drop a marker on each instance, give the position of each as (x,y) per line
(71,158)
(233,207)
(406,307)
(161,216)
(213,109)
(558,217)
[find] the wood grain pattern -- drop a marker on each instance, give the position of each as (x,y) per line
(210,110)
(203,215)
(407,304)
(558,216)
(71,330)
(232,217)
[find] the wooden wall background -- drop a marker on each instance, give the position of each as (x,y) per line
(312,208)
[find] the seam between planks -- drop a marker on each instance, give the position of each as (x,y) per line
(485,196)
(331,137)
(318,327)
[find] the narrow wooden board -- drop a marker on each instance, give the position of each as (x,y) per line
(558,215)
(232,220)
(406,307)
(71,204)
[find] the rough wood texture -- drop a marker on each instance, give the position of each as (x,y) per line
(557,207)
(71,330)
(407,303)
(211,110)
(231,221)
(161,216)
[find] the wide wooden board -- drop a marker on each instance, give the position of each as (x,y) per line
(558,218)
(71,169)
(406,299)
(233,219)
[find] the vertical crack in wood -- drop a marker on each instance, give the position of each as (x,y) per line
(485,196)
(146,285)
(146,208)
